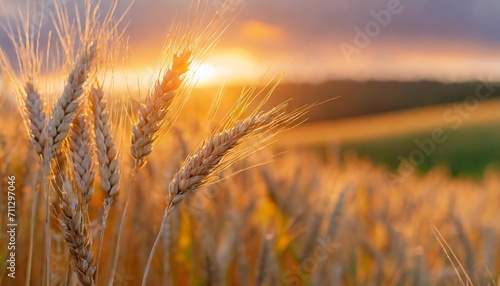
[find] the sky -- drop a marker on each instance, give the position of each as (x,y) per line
(319,40)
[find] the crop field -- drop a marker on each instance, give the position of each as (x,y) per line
(113,181)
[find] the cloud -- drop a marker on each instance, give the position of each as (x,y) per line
(262,32)
(311,31)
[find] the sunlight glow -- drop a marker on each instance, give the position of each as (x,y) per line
(204,74)
(234,66)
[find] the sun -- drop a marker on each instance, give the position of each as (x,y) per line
(204,74)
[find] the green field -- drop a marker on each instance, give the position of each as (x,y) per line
(467,151)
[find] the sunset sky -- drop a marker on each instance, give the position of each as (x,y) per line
(313,41)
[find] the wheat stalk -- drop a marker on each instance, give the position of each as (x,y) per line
(35,120)
(264,263)
(153,113)
(313,229)
(152,116)
(337,212)
(76,232)
(201,167)
(229,239)
(109,169)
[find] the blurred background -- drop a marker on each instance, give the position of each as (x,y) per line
(397,69)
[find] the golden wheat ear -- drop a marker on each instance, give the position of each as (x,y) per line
(107,157)
(199,168)
(80,154)
(107,152)
(216,154)
(77,235)
(67,105)
(36,117)
(154,112)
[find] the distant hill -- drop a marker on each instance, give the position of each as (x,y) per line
(371,97)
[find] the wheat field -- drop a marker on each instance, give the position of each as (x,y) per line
(103,184)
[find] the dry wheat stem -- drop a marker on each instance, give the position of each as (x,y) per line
(152,116)
(154,112)
(337,212)
(34,204)
(46,192)
(263,267)
(122,228)
(80,153)
(167,277)
(313,229)
(76,231)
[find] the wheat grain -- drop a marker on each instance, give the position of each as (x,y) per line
(36,117)
(80,153)
(199,168)
(109,170)
(67,105)
(76,231)
(153,113)
(152,116)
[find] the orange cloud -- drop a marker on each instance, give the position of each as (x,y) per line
(262,32)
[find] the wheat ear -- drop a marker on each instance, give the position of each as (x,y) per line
(76,232)
(153,113)
(58,127)
(152,116)
(199,168)
(109,170)
(36,125)
(80,153)
(36,117)
(67,105)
